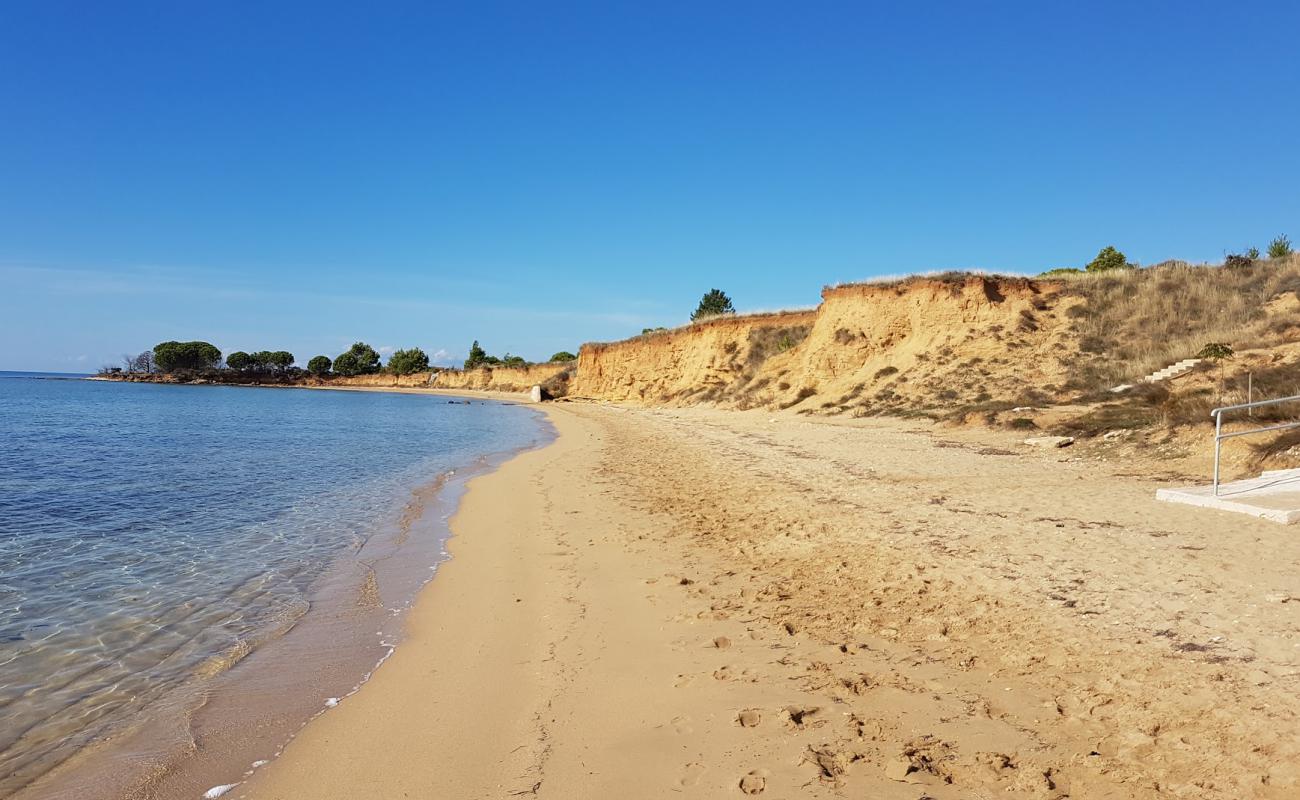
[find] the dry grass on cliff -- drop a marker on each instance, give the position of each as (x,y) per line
(1137,321)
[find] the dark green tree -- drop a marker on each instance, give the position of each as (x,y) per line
(239,360)
(563,355)
(477,356)
(281,360)
(513,361)
(261,360)
(407,362)
(1107,259)
(347,365)
(360,359)
(714,303)
(175,356)
(319,365)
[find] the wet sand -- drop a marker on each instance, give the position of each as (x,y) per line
(707,604)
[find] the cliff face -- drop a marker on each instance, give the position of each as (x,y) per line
(491,379)
(502,379)
(919,344)
(724,358)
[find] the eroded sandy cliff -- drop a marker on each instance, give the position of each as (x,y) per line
(914,344)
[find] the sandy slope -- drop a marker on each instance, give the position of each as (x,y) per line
(702,604)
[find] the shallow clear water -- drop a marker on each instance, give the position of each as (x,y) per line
(152,534)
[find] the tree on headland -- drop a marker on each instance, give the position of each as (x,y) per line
(174,356)
(280,360)
(407,362)
(1108,259)
(239,360)
(714,303)
(360,359)
(141,362)
(318,366)
(513,361)
(563,355)
(477,356)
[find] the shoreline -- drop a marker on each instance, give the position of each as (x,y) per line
(711,603)
(209,714)
(466,625)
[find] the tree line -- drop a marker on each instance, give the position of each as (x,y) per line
(479,358)
(199,356)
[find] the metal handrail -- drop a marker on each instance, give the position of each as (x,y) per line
(1219,436)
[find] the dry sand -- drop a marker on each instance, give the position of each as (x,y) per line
(707,604)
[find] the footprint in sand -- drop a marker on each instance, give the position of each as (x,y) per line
(755,782)
(693,773)
(683,725)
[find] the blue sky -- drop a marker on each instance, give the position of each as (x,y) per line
(533,175)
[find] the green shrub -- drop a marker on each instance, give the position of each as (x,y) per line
(408,362)
(1216,351)
(1061,271)
(563,355)
(1108,259)
(319,365)
(1253,254)
(360,359)
(1279,247)
(714,303)
(1022,424)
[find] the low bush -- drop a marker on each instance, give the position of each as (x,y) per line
(1279,247)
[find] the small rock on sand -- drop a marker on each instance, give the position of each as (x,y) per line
(1050,441)
(750,717)
(722,643)
(898,769)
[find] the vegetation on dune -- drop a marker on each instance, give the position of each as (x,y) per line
(1108,259)
(360,359)
(478,358)
(714,303)
(1279,247)
(408,362)
(1134,322)
(563,355)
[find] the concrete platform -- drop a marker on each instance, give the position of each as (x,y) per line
(1274,495)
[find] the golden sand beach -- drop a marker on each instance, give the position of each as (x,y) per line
(703,603)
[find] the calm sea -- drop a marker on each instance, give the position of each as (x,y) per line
(188,573)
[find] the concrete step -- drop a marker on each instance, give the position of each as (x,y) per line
(1171,371)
